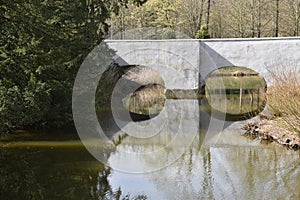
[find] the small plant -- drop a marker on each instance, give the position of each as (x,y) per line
(203,33)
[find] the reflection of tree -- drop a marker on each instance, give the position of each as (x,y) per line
(255,173)
(80,184)
(190,177)
(207,185)
(53,174)
(231,172)
(17,179)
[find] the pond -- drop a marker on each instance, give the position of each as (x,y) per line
(56,165)
(193,151)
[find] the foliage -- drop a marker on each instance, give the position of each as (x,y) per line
(202,33)
(42,45)
(23,107)
(154,13)
(223,18)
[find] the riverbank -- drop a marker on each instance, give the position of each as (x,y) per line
(283,121)
(270,130)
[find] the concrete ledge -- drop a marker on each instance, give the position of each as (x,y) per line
(208,40)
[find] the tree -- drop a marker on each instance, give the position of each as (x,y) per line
(208,13)
(223,18)
(259,20)
(190,16)
(216,20)
(131,16)
(42,45)
(168,16)
(277,19)
(290,18)
(237,16)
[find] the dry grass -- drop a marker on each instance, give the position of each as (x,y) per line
(284,97)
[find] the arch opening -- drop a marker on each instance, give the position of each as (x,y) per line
(237,92)
(134,92)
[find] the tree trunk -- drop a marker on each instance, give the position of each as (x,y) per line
(277,19)
(259,19)
(208,14)
(253,18)
(200,16)
(297,20)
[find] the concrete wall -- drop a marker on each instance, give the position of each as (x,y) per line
(176,61)
(181,61)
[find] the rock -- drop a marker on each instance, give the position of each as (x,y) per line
(266,130)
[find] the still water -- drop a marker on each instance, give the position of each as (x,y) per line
(55,165)
(194,155)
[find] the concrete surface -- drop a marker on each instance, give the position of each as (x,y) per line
(184,64)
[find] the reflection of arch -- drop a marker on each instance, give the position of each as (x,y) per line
(232,117)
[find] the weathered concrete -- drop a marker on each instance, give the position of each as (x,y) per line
(176,61)
(180,61)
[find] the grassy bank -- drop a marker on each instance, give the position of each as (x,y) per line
(283,123)
(284,98)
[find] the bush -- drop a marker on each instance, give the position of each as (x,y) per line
(202,33)
(23,107)
(284,97)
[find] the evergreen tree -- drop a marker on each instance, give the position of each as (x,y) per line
(42,45)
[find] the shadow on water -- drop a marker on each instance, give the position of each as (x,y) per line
(53,173)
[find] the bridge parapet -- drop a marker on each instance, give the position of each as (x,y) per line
(181,61)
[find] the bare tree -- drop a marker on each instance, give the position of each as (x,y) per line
(277,18)
(223,18)
(208,13)
(216,18)
(191,15)
(291,17)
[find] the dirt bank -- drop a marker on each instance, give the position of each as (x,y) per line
(271,131)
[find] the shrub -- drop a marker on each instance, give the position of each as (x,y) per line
(284,97)
(203,33)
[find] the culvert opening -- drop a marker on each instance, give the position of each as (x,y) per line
(239,93)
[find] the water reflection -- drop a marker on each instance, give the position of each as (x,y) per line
(53,173)
(236,98)
(239,98)
(220,171)
(57,166)
(165,138)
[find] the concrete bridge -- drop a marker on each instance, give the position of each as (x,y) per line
(184,64)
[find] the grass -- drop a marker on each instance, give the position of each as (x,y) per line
(284,97)
(230,82)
